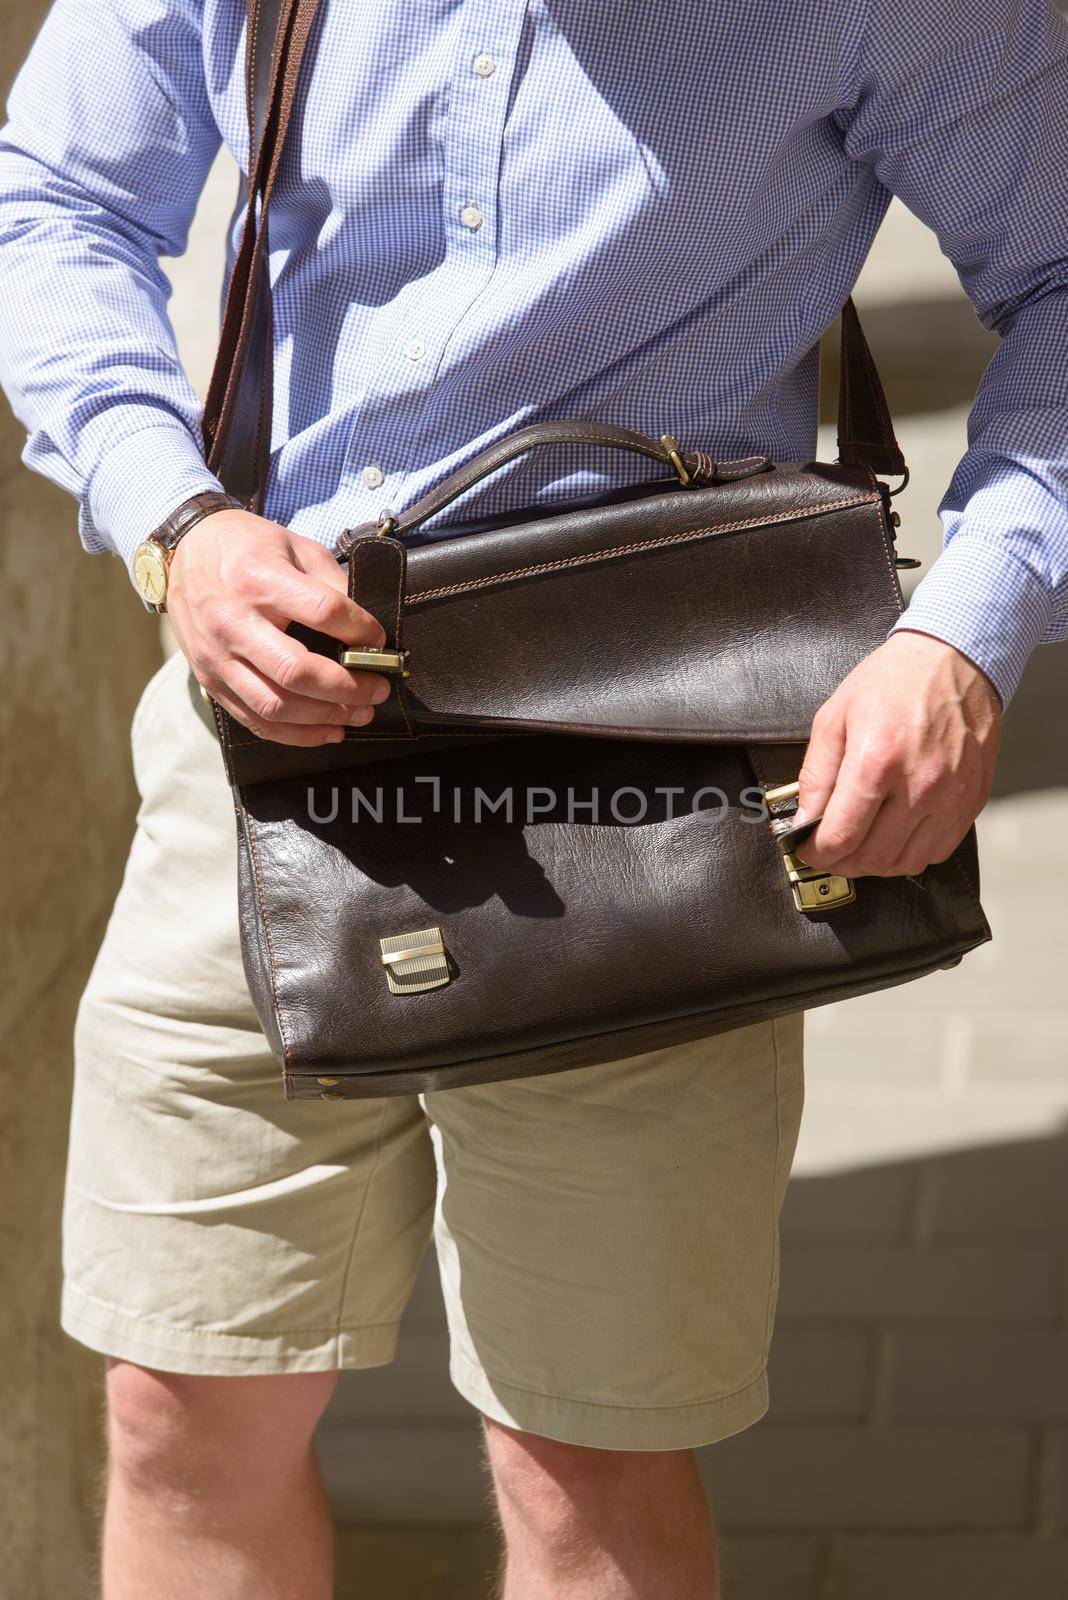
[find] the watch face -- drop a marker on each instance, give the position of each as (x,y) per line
(150,572)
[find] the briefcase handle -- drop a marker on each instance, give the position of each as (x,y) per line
(694,467)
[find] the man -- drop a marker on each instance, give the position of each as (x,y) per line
(491,214)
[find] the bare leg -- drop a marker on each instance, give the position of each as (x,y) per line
(583,1524)
(214,1489)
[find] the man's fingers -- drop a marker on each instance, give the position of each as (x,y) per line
(298,670)
(238,585)
(929,842)
(265,708)
(823,757)
(302,734)
(883,845)
(297,597)
(319,562)
(854,803)
(918,849)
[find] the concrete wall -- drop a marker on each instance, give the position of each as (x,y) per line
(75,650)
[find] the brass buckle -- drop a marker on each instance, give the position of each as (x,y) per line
(671,445)
(813,888)
(371,658)
(415,962)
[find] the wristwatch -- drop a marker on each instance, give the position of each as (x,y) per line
(152,558)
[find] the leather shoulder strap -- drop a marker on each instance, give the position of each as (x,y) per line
(237,413)
(865,431)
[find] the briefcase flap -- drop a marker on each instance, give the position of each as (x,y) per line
(725,614)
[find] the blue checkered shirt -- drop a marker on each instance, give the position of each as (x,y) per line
(495,212)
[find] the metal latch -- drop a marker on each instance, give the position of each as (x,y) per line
(674,453)
(415,962)
(371,658)
(813,888)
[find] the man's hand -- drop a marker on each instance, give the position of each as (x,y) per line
(236,582)
(901,760)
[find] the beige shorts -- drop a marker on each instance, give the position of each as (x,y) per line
(607,1237)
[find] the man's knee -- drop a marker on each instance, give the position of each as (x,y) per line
(564,1493)
(175,1430)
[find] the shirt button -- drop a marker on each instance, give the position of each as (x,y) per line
(416,350)
(373,477)
(471,217)
(485,64)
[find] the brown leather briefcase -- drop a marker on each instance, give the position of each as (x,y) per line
(567,836)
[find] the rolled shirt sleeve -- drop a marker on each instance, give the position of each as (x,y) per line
(106,150)
(962,111)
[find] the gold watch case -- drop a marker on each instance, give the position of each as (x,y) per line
(150,569)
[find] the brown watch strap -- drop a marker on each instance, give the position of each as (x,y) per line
(189,513)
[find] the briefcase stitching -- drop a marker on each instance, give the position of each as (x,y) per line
(634,548)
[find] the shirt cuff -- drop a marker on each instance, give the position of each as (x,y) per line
(137,483)
(987,603)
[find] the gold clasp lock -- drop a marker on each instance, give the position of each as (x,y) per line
(415,962)
(371,658)
(813,888)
